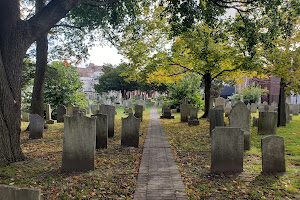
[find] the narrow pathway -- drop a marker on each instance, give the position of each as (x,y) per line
(158,177)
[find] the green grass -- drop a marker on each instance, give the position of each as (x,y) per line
(114,177)
(191,148)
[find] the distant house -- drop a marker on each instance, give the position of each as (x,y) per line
(89,76)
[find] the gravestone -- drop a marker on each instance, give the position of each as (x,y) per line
(94,108)
(137,97)
(227,150)
(185,112)
(25,117)
(87,110)
(227,111)
(110,112)
(48,112)
(139,111)
(70,109)
(255,121)
(130,131)
(267,123)
(253,107)
(79,142)
(271,108)
(166,113)
(295,109)
(193,119)
(101,101)
(287,113)
(220,102)
(14,193)
(216,118)
(248,106)
(36,126)
(61,111)
(101,131)
(266,108)
(240,117)
(265,103)
(272,149)
(260,107)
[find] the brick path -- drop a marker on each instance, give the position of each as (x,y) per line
(158,177)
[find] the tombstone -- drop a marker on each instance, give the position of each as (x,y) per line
(94,108)
(267,123)
(118,105)
(48,112)
(287,113)
(14,193)
(137,97)
(261,108)
(79,142)
(255,121)
(139,111)
(271,108)
(216,118)
(173,111)
(227,111)
(101,131)
(220,102)
(274,104)
(266,108)
(248,106)
(272,149)
(166,113)
(160,103)
(211,103)
(185,112)
(36,126)
(253,107)
(61,111)
(148,101)
(101,101)
(70,109)
(87,110)
(240,117)
(193,119)
(227,150)
(76,112)
(110,112)
(130,131)
(295,109)
(265,103)
(25,117)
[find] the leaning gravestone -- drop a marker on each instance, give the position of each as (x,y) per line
(138,111)
(216,118)
(79,141)
(220,102)
(272,148)
(70,109)
(48,112)
(193,119)
(61,111)
(130,131)
(240,117)
(15,193)
(101,131)
(253,107)
(227,150)
(94,108)
(110,112)
(36,126)
(185,112)
(267,123)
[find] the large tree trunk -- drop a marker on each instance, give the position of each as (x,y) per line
(37,101)
(281,105)
(207,87)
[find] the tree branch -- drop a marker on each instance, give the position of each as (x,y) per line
(68,26)
(226,70)
(97,4)
(224,4)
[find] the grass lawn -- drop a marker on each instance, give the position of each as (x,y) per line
(115,168)
(191,147)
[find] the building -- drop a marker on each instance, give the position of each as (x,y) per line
(89,76)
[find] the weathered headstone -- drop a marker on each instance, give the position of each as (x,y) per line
(94,108)
(193,118)
(185,112)
(265,103)
(227,111)
(295,109)
(271,108)
(61,111)
(48,112)
(216,118)
(227,150)
(248,106)
(287,113)
(130,131)
(79,142)
(240,117)
(101,131)
(166,113)
(220,102)
(25,117)
(15,193)
(272,149)
(110,112)
(36,126)
(253,107)
(267,123)
(139,111)
(260,107)
(70,109)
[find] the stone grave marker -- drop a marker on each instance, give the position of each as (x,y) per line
(166,113)
(101,101)
(193,119)
(185,112)
(220,102)
(272,149)
(227,111)
(101,131)
(139,111)
(227,150)
(61,111)
(240,117)
(267,123)
(25,117)
(295,109)
(265,103)
(216,118)
(110,112)
(94,108)
(253,107)
(36,126)
(287,113)
(260,107)
(14,193)
(79,142)
(48,112)
(248,106)
(70,109)
(130,131)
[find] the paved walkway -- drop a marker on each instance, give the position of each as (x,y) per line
(158,177)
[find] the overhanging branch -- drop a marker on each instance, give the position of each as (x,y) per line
(226,70)
(97,4)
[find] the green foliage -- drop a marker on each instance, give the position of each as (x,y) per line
(251,94)
(62,85)
(189,86)
(27,73)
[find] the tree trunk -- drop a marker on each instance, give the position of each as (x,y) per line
(37,101)
(207,87)
(281,105)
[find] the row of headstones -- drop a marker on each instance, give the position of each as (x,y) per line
(229,143)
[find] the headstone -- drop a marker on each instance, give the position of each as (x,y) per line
(255,121)
(295,109)
(220,102)
(193,119)
(265,103)
(70,109)
(48,112)
(137,97)
(227,111)
(287,113)
(15,193)
(271,108)
(266,108)
(185,112)
(36,126)
(79,142)
(166,113)
(253,107)
(101,131)
(216,118)
(272,149)
(25,117)
(227,150)
(110,112)
(87,110)
(130,131)
(261,108)
(94,108)
(139,112)
(267,123)
(101,101)
(248,106)
(240,117)
(274,104)
(61,111)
